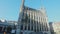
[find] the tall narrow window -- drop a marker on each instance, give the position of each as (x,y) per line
(28,27)
(25,27)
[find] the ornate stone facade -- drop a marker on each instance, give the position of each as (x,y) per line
(32,21)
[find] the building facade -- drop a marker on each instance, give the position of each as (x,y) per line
(32,21)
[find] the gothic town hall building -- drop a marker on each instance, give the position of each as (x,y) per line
(32,21)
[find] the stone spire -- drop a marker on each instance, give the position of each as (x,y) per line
(20,17)
(21,10)
(22,5)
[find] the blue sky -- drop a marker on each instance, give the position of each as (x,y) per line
(9,9)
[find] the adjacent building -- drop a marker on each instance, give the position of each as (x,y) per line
(32,21)
(7,26)
(56,27)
